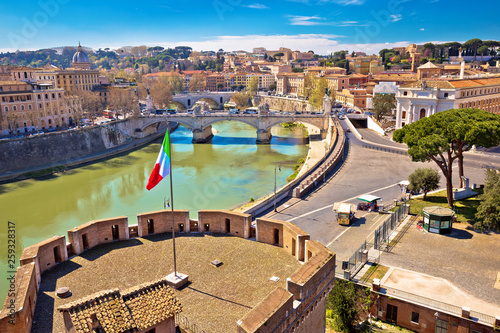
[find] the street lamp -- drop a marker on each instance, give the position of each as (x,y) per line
(279,168)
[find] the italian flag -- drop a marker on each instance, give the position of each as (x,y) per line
(162,166)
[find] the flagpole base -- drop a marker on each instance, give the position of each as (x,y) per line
(177,281)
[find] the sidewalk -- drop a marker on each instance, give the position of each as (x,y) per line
(316,150)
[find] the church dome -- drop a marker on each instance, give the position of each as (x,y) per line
(80,56)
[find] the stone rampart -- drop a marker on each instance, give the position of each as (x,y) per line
(35,151)
(42,256)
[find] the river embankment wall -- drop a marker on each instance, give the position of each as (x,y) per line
(67,148)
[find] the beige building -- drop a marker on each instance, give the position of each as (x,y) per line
(421,99)
(290,83)
(367,65)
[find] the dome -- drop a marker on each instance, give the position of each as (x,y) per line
(80,56)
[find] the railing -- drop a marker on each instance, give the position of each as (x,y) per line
(355,261)
(429,302)
(422,300)
(383,233)
(394,150)
(187,325)
(482,317)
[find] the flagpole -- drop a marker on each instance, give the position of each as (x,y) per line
(172,196)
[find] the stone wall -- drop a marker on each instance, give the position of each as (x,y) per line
(45,150)
(218,221)
(91,234)
(161,221)
(283,103)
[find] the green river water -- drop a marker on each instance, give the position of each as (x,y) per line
(221,175)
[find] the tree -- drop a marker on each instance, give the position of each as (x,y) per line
(317,94)
(253,85)
(279,55)
(488,212)
(473,44)
(443,137)
(424,180)
(309,84)
(483,50)
(429,46)
(161,92)
(220,86)
(241,99)
(89,101)
(125,100)
(197,82)
(383,105)
(272,86)
(345,301)
(177,82)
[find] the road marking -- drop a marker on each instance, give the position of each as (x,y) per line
(330,206)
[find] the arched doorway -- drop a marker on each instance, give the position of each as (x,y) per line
(422,113)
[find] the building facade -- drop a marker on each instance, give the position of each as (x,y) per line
(424,98)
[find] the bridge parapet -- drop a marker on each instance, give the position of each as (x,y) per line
(201,125)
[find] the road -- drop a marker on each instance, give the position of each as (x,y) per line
(364,171)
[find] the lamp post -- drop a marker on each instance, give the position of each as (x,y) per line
(279,168)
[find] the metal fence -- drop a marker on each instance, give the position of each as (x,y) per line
(355,261)
(187,325)
(382,234)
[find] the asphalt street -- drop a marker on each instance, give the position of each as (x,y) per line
(364,171)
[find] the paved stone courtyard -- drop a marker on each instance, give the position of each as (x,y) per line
(468,259)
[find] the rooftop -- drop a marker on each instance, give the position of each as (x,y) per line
(215,299)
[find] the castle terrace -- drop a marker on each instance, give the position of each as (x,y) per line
(215,299)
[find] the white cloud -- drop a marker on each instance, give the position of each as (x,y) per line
(319,43)
(422,29)
(305,20)
(317,20)
(395,18)
(323,2)
(256,6)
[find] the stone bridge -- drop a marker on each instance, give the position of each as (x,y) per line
(188,100)
(201,125)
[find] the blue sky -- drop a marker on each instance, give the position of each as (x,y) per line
(319,25)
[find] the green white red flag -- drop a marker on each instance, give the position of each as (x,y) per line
(162,166)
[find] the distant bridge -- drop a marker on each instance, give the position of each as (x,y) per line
(201,125)
(217,97)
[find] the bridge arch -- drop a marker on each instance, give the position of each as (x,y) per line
(179,105)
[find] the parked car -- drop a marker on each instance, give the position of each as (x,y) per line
(348,130)
(206,113)
(190,111)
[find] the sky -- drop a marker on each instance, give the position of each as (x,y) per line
(323,26)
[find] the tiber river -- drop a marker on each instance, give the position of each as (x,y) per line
(221,175)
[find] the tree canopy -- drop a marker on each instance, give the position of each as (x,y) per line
(488,212)
(443,137)
(383,104)
(424,179)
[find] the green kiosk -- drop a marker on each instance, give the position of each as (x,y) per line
(438,220)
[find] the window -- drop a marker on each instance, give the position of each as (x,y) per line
(445,95)
(6,109)
(405,93)
(441,326)
(14,108)
(392,313)
(414,317)
(403,115)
